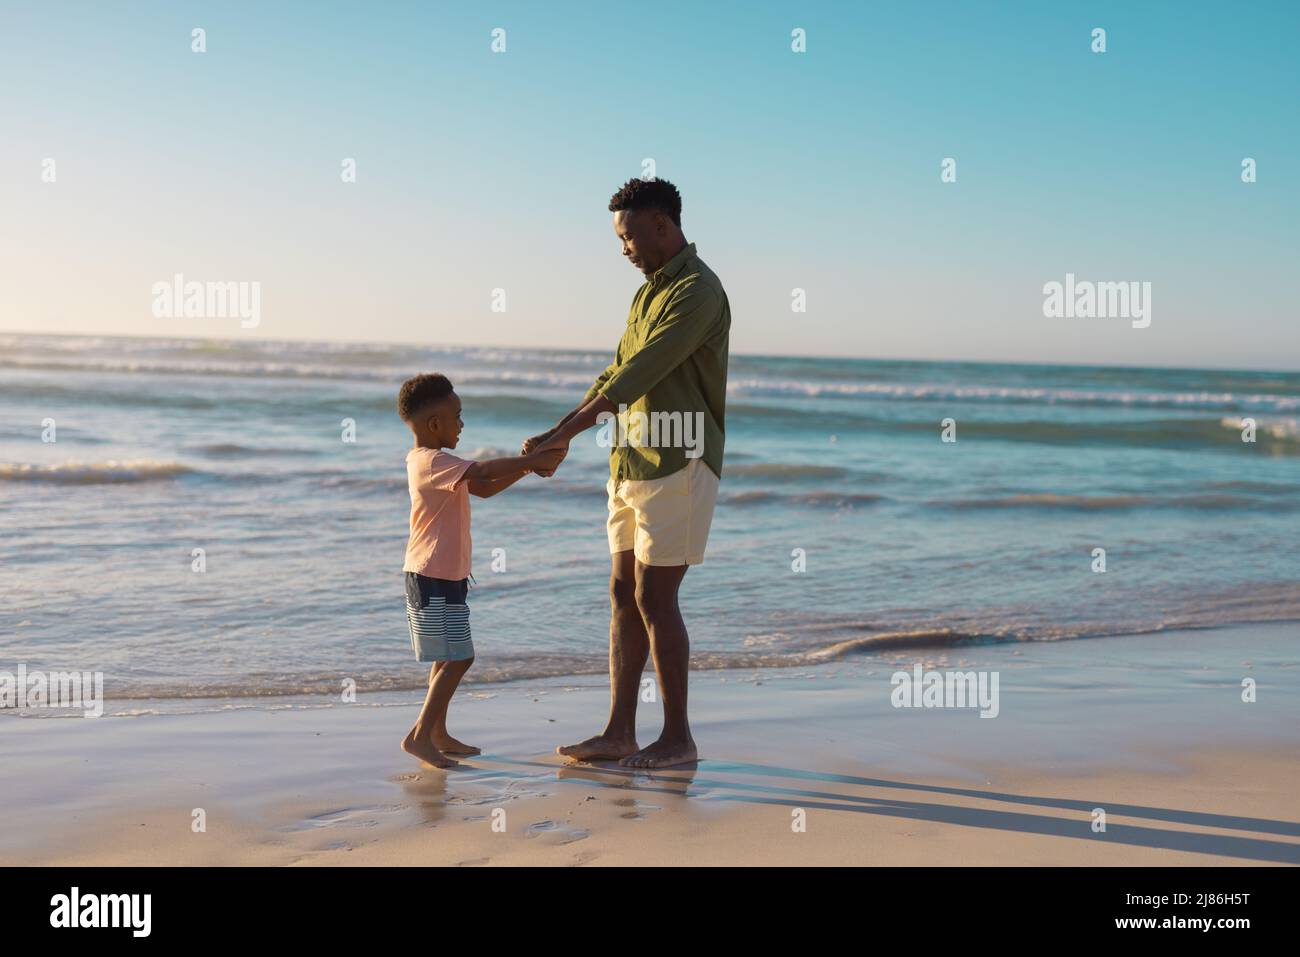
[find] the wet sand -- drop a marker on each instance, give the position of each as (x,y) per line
(804,766)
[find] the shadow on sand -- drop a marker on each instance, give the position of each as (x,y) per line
(691,781)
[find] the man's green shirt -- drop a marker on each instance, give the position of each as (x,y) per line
(672,359)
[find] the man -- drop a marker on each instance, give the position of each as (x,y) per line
(671,368)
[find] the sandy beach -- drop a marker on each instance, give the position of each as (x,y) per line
(800,766)
(919,476)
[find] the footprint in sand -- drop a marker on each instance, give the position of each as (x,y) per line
(638,808)
(552,832)
(368,816)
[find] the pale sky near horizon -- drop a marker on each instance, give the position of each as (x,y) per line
(819,170)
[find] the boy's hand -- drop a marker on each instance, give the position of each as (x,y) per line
(546,461)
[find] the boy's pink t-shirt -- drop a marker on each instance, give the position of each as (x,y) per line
(439,546)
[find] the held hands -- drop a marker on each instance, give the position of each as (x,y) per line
(545,461)
(534,444)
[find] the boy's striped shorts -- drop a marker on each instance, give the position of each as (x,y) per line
(438,617)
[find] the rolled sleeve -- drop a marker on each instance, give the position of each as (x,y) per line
(688,321)
(599,383)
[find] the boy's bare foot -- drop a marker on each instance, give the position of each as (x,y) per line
(662,754)
(449,745)
(599,748)
(426,751)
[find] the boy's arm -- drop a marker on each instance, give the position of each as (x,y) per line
(493,469)
(486,488)
(496,475)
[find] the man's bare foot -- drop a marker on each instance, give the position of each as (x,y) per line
(599,748)
(449,745)
(662,754)
(426,751)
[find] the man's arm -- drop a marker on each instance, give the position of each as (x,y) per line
(577,421)
(687,322)
(536,441)
(597,385)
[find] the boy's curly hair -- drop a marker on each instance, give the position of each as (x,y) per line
(420,391)
(657,194)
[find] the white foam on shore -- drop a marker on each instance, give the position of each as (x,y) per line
(93,473)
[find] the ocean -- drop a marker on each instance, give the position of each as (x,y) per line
(845,525)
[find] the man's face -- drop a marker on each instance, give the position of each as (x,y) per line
(638,230)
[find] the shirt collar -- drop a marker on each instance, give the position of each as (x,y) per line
(670,269)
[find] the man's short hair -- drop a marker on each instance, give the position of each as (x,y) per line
(421,391)
(656,194)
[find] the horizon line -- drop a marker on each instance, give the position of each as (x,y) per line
(755,355)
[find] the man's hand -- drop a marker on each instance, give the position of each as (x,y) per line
(535,442)
(545,461)
(562,449)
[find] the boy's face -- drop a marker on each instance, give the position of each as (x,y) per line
(441,424)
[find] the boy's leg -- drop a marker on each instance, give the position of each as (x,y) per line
(629,647)
(448,680)
(420,740)
(417,743)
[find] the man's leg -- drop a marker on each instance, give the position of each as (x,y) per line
(629,646)
(656,597)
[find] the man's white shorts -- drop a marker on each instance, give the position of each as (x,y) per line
(665,521)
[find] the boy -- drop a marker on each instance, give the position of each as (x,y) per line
(438,551)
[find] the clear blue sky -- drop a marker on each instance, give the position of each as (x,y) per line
(818,170)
